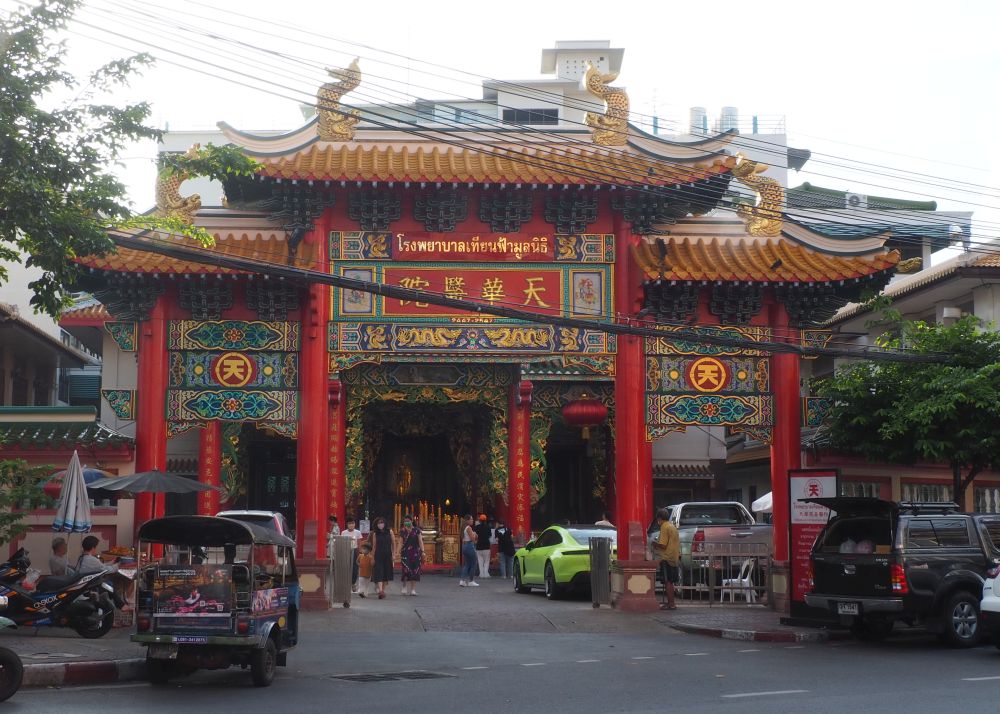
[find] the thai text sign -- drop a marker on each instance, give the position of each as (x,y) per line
(806,520)
(471,247)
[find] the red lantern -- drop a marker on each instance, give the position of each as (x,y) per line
(585,412)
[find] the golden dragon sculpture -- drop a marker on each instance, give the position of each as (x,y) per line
(169,202)
(335,123)
(763,219)
(610,128)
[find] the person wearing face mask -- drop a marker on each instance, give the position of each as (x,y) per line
(411,554)
(383,546)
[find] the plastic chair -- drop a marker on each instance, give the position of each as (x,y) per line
(742,583)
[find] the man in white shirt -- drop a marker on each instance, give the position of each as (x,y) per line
(58,565)
(89,562)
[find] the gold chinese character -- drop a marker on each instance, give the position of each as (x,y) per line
(532,293)
(414,283)
(454,287)
(493,289)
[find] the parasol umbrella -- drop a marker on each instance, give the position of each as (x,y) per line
(73,514)
(154,481)
(53,487)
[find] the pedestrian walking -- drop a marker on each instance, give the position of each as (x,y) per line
(355,535)
(411,554)
(383,548)
(332,532)
(467,578)
(668,548)
(484,532)
(505,549)
(366,563)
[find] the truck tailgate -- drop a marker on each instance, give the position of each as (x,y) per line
(852,574)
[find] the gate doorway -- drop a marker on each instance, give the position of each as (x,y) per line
(270,472)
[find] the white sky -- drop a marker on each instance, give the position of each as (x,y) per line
(914,82)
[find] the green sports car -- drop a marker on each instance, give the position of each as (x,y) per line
(559,559)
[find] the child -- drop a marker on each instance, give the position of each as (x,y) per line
(366,563)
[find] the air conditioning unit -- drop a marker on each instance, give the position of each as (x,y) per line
(855,200)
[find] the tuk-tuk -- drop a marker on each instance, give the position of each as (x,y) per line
(214,592)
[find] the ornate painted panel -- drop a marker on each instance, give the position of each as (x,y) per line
(121,401)
(709,410)
(382,338)
(233,335)
(257,370)
(232,405)
(124,333)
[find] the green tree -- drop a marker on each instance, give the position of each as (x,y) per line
(58,197)
(907,412)
(20,490)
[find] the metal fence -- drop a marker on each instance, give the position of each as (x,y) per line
(726,572)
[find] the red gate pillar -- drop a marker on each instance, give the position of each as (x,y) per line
(312,486)
(786,447)
(519,460)
(210,466)
(151,417)
(338,450)
(632,581)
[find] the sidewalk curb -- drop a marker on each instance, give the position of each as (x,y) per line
(73,674)
(760,636)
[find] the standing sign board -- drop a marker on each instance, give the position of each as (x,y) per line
(806,520)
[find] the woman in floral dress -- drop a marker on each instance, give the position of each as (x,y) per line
(411,554)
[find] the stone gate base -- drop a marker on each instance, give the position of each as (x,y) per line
(313,574)
(633,586)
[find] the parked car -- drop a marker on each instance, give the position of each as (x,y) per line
(877,562)
(272,520)
(989,608)
(711,522)
(559,559)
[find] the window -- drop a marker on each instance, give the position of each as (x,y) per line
(531,116)
(937,533)
(925,492)
(712,515)
(860,489)
(987,499)
(734,494)
(920,534)
(549,537)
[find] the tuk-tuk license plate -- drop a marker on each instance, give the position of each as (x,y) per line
(848,608)
(162,651)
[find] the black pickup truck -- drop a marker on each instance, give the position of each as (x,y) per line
(877,562)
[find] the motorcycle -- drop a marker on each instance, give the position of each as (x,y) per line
(85,603)
(11,669)
(15,568)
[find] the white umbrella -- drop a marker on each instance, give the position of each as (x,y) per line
(73,515)
(764,504)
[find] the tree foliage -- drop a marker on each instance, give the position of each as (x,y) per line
(907,412)
(57,194)
(20,490)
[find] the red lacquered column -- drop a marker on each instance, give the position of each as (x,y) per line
(151,416)
(519,460)
(633,466)
(786,450)
(210,466)
(338,449)
(312,485)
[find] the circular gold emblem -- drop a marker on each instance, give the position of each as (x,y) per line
(707,374)
(233,369)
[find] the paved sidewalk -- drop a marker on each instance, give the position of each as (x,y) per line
(56,657)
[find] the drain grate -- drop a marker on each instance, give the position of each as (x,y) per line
(392,676)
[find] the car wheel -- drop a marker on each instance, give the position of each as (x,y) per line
(519,587)
(552,589)
(11,673)
(263,663)
(961,620)
(871,630)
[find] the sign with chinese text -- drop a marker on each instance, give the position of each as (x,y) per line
(805,521)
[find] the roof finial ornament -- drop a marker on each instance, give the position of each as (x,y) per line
(169,202)
(764,218)
(610,128)
(336,123)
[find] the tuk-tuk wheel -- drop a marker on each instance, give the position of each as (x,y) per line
(159,670)
(263,664)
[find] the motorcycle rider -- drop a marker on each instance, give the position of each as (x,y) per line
(89,562)
(58,565)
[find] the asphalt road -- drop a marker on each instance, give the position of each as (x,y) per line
(491,667)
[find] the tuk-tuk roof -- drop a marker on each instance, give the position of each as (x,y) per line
(209,531)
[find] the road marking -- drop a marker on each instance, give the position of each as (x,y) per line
(765,694)
(695,654)
(749,650)
(532,664)
(642,658)
(475,667)
(585,661)
(978,679)
(795,647)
